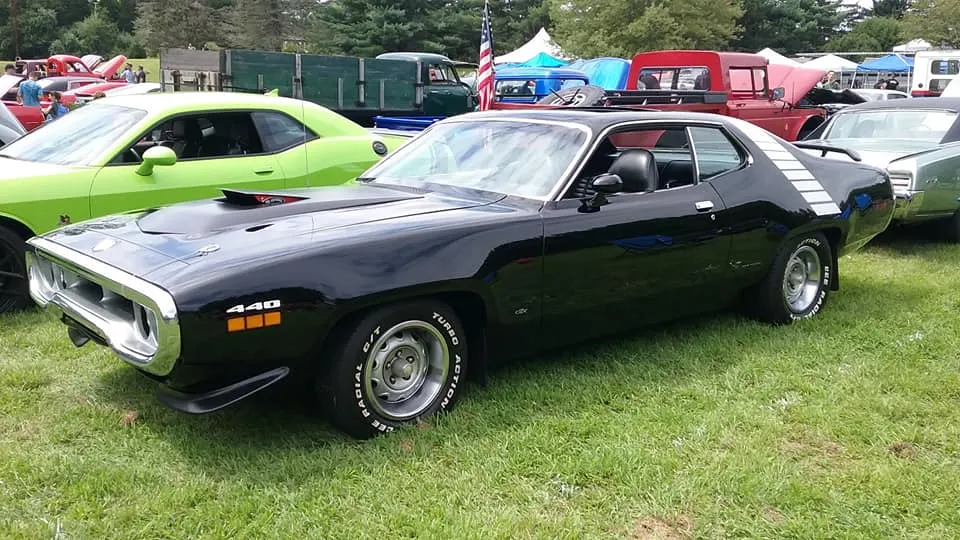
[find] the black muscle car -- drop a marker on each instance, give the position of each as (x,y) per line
(488,236)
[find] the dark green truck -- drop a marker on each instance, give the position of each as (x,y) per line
(409,84)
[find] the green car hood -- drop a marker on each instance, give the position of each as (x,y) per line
(880,152)
(15,169)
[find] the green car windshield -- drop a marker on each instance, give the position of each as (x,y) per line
(918,124)
(77,138)
(522,158)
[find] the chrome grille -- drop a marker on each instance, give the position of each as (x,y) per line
(901,183)
(137,319)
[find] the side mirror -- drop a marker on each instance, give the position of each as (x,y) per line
(607,184)
(157,156)
(777,93)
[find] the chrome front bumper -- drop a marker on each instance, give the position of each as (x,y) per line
(908,204)
(135,318)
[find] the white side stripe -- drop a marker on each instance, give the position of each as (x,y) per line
(825,209)
(785,165)
(799,175)
(791,168)
(817,196)
(811,185)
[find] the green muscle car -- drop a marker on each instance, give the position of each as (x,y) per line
(917,141)
(135,152)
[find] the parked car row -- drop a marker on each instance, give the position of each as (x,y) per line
(190,234)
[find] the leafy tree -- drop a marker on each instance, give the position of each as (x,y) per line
(874,34)
(95,34)
(37,27)
(937,21)
(370,27)
(788,26)
(179,23)
(890,8)
(623,28)
(257,24)
(121,12)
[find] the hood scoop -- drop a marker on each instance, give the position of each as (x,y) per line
(237,208)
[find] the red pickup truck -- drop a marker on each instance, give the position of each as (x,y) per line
(743,85)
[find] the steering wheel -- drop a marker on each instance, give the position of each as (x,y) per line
(135,155)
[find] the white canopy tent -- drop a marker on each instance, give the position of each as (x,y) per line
(774,57)
(832,62)
(541,43)
(913,45)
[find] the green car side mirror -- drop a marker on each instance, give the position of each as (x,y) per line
(157,156)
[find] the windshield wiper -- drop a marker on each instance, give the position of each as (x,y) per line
(366,178)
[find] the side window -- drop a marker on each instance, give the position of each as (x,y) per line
(748,80)
(945,67)
(716,153)
(199,136)
(279,132)
(669,148)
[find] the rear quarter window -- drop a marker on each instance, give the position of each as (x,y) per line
(280,132)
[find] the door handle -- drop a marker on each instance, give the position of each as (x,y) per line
(264,171)
(704,206)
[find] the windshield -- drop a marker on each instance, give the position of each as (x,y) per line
(77,138)
(927,125)
(526,159)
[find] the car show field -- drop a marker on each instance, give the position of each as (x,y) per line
(842,426)
(358,292)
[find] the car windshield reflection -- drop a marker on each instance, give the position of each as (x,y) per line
(77,138)
(522,158)
(922,125)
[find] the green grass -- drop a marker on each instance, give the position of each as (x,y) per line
(844,426)
(150,65)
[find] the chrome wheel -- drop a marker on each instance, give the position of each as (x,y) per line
(801,279)
(405,370)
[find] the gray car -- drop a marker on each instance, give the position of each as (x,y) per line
(917,141)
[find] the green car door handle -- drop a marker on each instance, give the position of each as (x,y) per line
(264,171)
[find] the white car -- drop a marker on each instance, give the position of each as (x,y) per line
(876,94)
(952,89)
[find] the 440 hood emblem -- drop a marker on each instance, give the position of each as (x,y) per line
(207,250)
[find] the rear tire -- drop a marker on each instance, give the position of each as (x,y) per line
(14,289)
(798,284)
(576,96)
(398,365)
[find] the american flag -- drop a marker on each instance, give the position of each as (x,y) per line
(485,92)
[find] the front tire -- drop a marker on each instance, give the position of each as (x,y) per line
(14,290)
(398,365)
(799,281)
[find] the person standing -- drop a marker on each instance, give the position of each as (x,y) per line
(141,75)
(9,69)
(28,93)
(128,74)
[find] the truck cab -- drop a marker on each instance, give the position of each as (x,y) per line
(933,71)
(529,85)
(444,93)
(742,85)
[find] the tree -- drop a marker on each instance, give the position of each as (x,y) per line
(257,24)
(37,27)
(788,26)
(625,27)
(179,23)
(370,27)
(98,34)
(874,34)
(122,12)
(937,21)
(890,8)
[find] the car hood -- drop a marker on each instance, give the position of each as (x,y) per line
(877,152)
(8,82)
(15,169)
(109,68)
(796,81)
(217,228)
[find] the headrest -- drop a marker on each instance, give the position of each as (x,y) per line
(179,129)
(637,168)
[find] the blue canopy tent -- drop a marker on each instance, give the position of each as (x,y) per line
(892,63)
(542,60)
(607,73)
